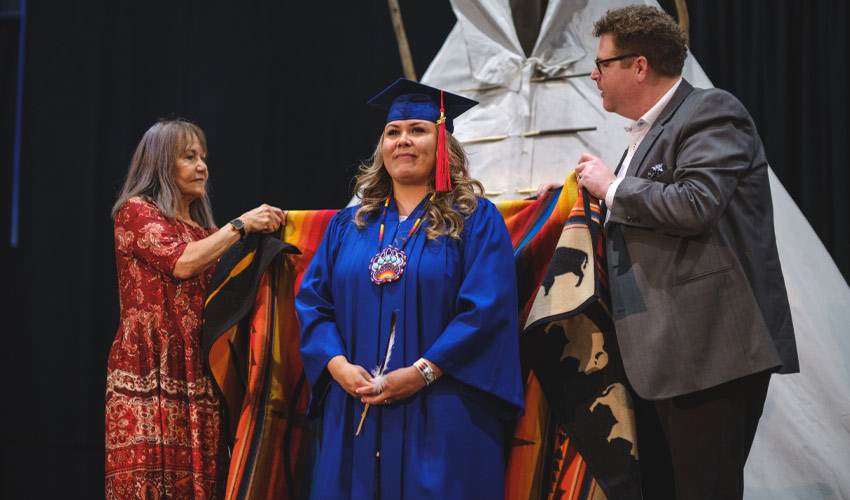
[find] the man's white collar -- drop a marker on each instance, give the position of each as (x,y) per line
(648,118)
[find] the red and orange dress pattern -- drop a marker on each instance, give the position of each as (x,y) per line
(163,418)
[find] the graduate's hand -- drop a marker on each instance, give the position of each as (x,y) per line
(401,384)
(349,376)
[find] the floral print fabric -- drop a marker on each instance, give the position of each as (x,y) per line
(163,418)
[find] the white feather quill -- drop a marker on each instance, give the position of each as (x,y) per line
(378,378)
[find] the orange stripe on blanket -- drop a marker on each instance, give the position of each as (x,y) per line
(238,268)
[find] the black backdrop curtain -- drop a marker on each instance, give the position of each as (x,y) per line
(279,88)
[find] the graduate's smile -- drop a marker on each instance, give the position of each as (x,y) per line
(410,151)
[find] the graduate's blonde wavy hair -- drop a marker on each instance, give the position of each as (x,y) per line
(448,210)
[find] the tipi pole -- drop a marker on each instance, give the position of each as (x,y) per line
(401,37)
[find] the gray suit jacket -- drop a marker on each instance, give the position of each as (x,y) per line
(697,290)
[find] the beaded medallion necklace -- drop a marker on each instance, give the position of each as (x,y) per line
(388,264)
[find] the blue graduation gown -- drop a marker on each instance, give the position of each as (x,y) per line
(457,307)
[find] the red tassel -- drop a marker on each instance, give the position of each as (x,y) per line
(444,181)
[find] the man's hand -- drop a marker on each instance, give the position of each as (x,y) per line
(593,174)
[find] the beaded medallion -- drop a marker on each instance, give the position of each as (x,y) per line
(388,264)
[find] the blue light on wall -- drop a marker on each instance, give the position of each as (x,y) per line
(11,10)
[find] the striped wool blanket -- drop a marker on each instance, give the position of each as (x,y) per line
(576,440)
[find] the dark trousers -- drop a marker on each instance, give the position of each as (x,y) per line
(694,446)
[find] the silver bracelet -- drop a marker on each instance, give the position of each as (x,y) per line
(426,371)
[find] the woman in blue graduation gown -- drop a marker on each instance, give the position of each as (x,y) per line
(423,248)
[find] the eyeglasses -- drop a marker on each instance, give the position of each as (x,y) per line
(600,62)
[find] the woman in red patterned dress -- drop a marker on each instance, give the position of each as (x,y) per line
(163,419)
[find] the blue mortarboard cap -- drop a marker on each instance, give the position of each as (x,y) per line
(408,100)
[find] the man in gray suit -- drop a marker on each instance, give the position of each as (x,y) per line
(698,296)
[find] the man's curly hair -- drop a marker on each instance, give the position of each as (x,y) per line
(646,31)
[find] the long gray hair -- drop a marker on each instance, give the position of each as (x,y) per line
(151,173)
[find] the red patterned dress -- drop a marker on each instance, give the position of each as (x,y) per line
(163,418)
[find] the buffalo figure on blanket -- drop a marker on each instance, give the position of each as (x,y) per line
(616,398)
(566,260)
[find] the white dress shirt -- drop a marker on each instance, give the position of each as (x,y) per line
(638,130)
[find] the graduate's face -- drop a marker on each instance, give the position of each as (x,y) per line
(190,172)
(410,151)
